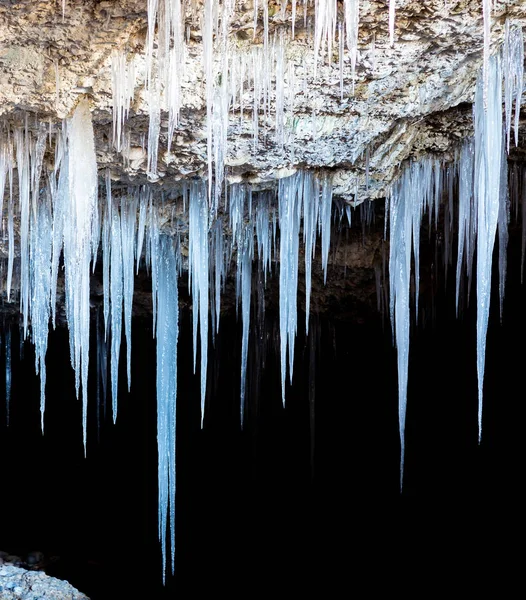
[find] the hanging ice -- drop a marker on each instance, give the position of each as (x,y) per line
(289,220)
(400,220)
(503,222)
(391,21)
(128,236)
(167,331)
(466,216)
(78,218)
(311,208)
(488,165)
(116,299)
(513,67)
(198,276)
(352,20)
(123,88)
(245,256)
(40,282)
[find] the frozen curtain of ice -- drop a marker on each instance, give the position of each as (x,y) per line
(71,212)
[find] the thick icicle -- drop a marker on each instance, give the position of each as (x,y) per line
(167,332)
(83,187)
(289,222)
(400,219)
(488,165)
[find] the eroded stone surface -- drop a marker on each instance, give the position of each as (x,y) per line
(407,100)
(19,584)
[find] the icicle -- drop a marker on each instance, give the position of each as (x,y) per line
(289,220)
(116,298)
(311,208)
(217,265)
(154,130)
(392,21)
(106,254)
(60,201)
(40,283)
(128,236)
(83,187)
(245,256)
(324,29)
(123,90)
(208,48)
(352,20)
(503,222)
(488,164)
(152,16)
(167,332)
(325,222)
(486,13)
(198,275)
(263,233)
(465,214)
(23,166)
(400,218)
(10,223)
(144,196)
(513,67)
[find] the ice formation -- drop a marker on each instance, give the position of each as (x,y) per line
(167,332)
(79,217)
(68,216)
(488,168)
(198,276)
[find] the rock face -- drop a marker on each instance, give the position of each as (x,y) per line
(19,584)
(405,100)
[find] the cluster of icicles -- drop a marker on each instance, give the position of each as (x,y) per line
(263,70)
(481,169)
(230,71)
(63,213)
